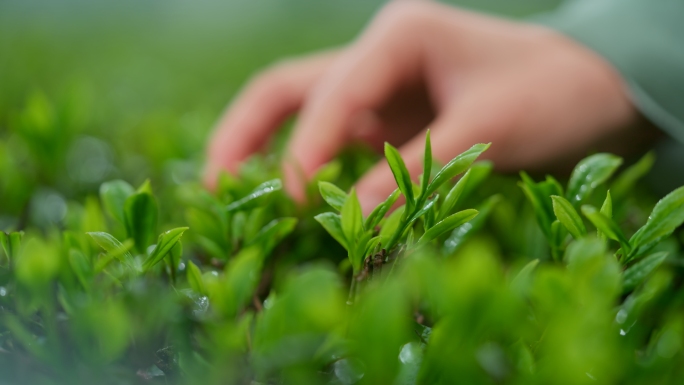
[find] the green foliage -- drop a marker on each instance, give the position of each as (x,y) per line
(589,174)
(568,216)
(167,241)
(140,216)
(470,281)
(667,215)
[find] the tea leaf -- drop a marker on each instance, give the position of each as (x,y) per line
(636,273)
(568,216)
(332,223)
(606,210)
(449,223)
(372,244)
(456,166)
(423,211)
(667,215)
(590,173)
(555,185)
(109,243)
(273,233)
(391,226)
(357,256)
(523,278)
(242,276)
(352,218)
(427,165)
(379,212)
(479,172)
(333,195)
(256,197)
(607,206)
(166,241)
(628,178)
(453,195)
(141,212)
(401,174)
(113,195)
(403,224)
(541,203)
(80,264)
(11,243)
(606,226)
(460,235)
(194,276)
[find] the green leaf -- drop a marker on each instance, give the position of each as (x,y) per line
(332,223)
(352,218)
(242,277)
(667,215)
(453,195)
(427,207)
(541,203)
(379,212)
(194,276)
(113,195)
(333,195)
(558,235)
(391,226)
(11,243)
(568,216)
(523,278)
(372,244)
(80,265)
(114,249)
(254,222)
(401,174)
(430,217)
(606,226)
(273,233)
(636,273)
(479,172)
(459,236)
(406,224)
(628,178)
(449,223)
(165,242)
(606,210)
(427,165)
(456,166)
(141,212)
(257,197)
(173,259)
(590,173)
(607,207)
(358,255)
(555,185)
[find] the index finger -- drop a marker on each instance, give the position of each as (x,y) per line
(259,110)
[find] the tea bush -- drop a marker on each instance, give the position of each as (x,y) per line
(473,278)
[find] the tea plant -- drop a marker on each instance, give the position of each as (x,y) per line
(581,285)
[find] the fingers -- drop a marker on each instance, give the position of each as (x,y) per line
(386,56)
(259,110)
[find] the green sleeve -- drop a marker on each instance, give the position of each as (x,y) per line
(644,40)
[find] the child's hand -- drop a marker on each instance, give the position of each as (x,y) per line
(536,95)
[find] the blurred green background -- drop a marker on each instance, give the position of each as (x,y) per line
(94,90)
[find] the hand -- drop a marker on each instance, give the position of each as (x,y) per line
(536,95)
